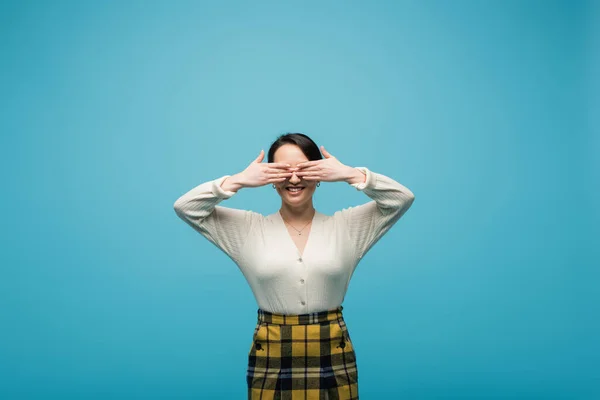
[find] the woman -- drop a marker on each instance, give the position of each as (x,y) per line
(298,263)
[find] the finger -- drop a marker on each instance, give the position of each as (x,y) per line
(278,172)
(279,175)
(311,168)
(279,165)
(276,180)
(308,163)
(260,157)
(313,177)
(325,152)
(308,173)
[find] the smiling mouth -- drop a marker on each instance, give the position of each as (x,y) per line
(294,189)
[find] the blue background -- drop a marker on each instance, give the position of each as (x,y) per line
(487,288)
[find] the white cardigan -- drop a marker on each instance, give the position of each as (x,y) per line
(283,280)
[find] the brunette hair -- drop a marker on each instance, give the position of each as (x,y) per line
(306,144)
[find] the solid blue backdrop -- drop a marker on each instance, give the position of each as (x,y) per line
(486,288)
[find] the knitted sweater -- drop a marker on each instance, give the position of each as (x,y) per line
(281,279)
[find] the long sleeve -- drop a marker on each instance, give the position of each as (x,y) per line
(368,222)
(227,228)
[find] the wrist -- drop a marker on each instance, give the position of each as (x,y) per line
(232,183)
(355,175)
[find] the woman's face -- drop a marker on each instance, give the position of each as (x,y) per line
(291,154)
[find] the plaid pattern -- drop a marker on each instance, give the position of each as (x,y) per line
(306,356)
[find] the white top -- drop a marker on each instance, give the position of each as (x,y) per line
(283,280)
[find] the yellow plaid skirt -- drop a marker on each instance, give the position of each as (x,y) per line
(305,356)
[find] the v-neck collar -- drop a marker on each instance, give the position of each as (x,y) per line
(311,231)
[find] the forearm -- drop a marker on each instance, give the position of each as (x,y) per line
(355,175)
(367,222)
(387,192)
(232,183)
(199,202)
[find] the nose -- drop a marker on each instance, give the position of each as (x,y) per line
(294,179)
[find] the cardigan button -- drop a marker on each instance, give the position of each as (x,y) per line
(300,259)
(303,302)
(301,280)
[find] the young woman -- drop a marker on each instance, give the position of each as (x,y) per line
(298,263)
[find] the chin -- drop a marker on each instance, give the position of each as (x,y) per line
(298,200)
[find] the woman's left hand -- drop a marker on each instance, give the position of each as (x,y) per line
(329,169)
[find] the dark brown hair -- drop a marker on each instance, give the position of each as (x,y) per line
(306,144)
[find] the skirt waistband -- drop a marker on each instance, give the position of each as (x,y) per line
(300,319)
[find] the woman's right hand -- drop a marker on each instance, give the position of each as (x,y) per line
(258,174)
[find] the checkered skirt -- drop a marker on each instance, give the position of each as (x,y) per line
(303,356)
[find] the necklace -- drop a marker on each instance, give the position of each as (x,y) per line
(299,231)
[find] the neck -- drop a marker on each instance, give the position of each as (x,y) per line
(302,213)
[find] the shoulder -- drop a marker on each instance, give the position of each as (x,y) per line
(334,219)
(237,215)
